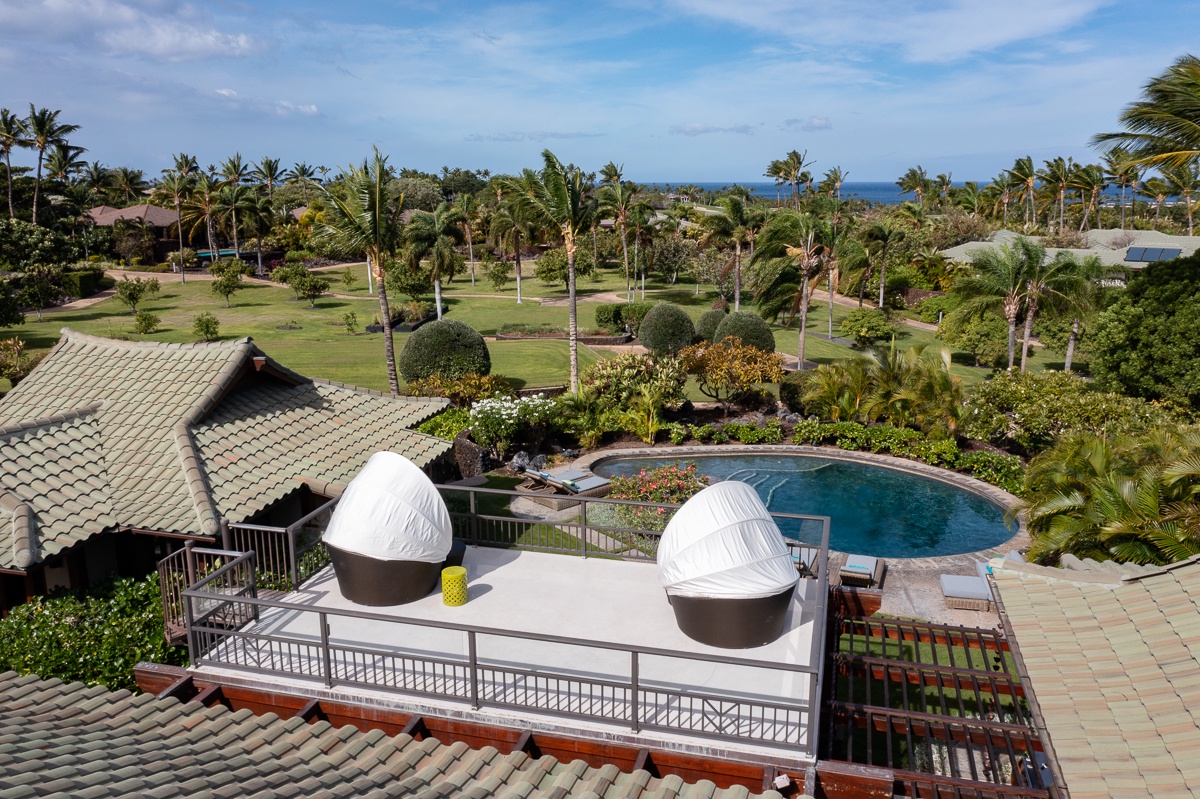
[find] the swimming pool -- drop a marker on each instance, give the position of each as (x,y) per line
(873,510)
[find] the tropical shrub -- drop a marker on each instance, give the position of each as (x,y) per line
(730,369)
(551,267)
(588,415)
(618,380)
(666,329)
(41,285)
(931,309)
(746,433)
(747,327)
(985,337)
(633,314)
(609,315)
(82,283)
(461,391)
(996,468)
(206,326)
(792,390)
(672,485)
(1026,412)
(145,323)
(132,292)
(290,274)
(15,362)
(677,433)
(643,416)
(498,273)
(497,422)
(446,348)
(447,424)
(310,287)
(807,432)
(23,243)
(867,326)
(706,325)
(414,311)
(350,322)
(181,260)
(95,637)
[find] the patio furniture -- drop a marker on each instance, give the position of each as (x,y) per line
(389,535)
(726,569)
(805,559)
(964,592)
(862,571)
(555,490)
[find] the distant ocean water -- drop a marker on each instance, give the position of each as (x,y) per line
(881,192)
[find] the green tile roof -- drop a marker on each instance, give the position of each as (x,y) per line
(1113,656)
(174,437)
(71,740)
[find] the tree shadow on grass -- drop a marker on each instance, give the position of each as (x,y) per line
(516,382)
(321,304)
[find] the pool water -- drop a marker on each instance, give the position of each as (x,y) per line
(873,510)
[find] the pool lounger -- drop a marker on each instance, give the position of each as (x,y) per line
(967,593)
(862,571)
(555,491)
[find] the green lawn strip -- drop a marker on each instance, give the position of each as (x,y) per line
(526,534)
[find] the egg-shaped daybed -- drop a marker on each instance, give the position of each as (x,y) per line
(726,570)
(389,534)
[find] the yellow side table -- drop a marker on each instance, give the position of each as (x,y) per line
(454,586)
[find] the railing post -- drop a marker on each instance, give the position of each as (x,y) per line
(254,583)
(325,659)
(293,561)
(583,525)
(472,656)
(635,698)
(226,540)
(474,518)
(188,622)
(189,566)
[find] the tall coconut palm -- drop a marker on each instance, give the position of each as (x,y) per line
(234,169)
(234,199)
(793,251)
(559,200)
(1024,178)
(364,217)
(944,183)
(1056,177)
(269,173)
(434,236)
(302,175)
(64,161)
(1158,190)
(1120,169)
(795,163)
(996,281)
(130,183)
(97,179)
(40,131)
(725,229)
(879,238)
(200,209)
(258,218)
(175,188)
(468,206)
(1184,181)
(1055,281)
(185,164)
(1000,190)
(777,170)
(1083,301)
(1163,128)
(1090,182)
(915,181)
(641,222)
(513,221)
(11,136)
(616,197)
(832,182)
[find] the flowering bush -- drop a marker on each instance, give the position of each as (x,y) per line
(671,485)
(496,422)
(620,379)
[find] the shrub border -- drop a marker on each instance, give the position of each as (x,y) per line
(997,496)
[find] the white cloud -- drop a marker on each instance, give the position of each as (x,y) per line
(700,129)
(809,125)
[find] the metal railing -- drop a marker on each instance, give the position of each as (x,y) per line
(287,556)
(640,694)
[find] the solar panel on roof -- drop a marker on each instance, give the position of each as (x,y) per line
(1134,253)
(1169,255)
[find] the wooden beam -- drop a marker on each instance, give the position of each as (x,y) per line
(416,728)
(210,696)
(311,711)
(182,689)
(645,762)
(527,744)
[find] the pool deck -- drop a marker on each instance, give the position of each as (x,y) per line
(911,588)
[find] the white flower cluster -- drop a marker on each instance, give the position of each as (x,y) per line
(498,419)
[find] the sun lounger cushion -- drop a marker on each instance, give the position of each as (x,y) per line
(863,564)
(587,484)
(964,587)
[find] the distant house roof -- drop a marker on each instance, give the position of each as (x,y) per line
(1110,246)
(175,437)
(153,215)
(1113,655)
(71,740)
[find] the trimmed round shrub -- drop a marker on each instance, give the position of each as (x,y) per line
(444,348)
(749,327)
(706,325)
(666,329)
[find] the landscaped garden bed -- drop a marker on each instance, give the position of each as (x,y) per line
(600,337)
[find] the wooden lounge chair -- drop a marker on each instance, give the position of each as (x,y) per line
(556,490)
(805,559)
(966,592)
(862,571)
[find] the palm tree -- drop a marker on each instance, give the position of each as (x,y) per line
(794,167)
(1024,177)
(1056,281)
(616,198)
(996,281)
(434,236)
(302,174)
(1056,177)
(641,217)
(968,198)
(234,169)
(944,183)
(1184,181)
(97,179)
(258,218)
(879,238)
(916,181)
(176,187)
(11,135)
(131,183)
(792,252)
(200,209)
(730,227)
(185,164)
(831,184)
(64,161)
(363,217)
(468,206)
(40,131)
(1090,182)
(1158,190)
(1163,128)
(558,198)
(232,198)
(512,219)
(777,170)
(1083,300)
(268,173)
(1121,170)
(1000,190)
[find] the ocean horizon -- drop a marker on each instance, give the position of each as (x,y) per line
(874,191)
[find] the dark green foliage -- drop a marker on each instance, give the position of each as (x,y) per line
(666,329)
(985,337)
(81,284)
(996,468)
(227,285)
(706,325)
(551,268)
(447,424)
(633,314)
(746,433)
(95,637)
(930,309)
(415,283)
(867,326)
(41,285)
(446,348)
(288,274)
(310,287)
(1146,343)
(206,326)
(10,309)
(131,292)
(791,390)
(1027,412)
(748,327)
(145,323)
(610,316)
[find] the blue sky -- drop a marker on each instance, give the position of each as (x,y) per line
(676,90)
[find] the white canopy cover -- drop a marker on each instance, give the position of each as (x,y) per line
(723,544)
(391,511)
